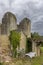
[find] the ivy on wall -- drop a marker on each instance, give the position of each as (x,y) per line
(14,41)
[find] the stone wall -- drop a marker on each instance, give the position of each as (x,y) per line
(8,23)
(4,48)
(22,41)
(13,23)
(25,26)
(36,48)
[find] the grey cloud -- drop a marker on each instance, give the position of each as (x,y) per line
(32,9)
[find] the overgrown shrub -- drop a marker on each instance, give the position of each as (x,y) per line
(14,41)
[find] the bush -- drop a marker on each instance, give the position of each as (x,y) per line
(14,41)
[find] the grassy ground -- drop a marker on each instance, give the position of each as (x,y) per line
(41,48)
(26,61)
(37,61)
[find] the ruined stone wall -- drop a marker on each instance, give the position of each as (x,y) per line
(29,30)
(4,47)
(36,48)
(4,25)
(25,26)
(22,41)
(8,23)
(13,23)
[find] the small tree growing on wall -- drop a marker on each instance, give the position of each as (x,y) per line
(14,41)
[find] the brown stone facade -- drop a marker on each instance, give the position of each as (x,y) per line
(36,48)
(9,22)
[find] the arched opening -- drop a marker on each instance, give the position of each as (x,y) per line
(28,45)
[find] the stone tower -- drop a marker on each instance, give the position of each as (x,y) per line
(9,22)
(25,26)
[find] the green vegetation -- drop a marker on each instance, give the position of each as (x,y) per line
(14,41)
(35,35)
(41,48)
(42,44)
(26,61)
(28,45)
(37,61)
(1,63)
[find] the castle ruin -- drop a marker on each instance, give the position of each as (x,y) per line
(9,23)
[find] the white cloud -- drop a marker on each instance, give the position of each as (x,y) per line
(5,3)
(32,9)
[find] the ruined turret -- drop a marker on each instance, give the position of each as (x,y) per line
(9,22)
(25,26)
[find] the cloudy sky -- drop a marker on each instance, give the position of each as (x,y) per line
(33,9)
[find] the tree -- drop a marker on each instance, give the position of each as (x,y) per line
(35,35)
(14,41)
